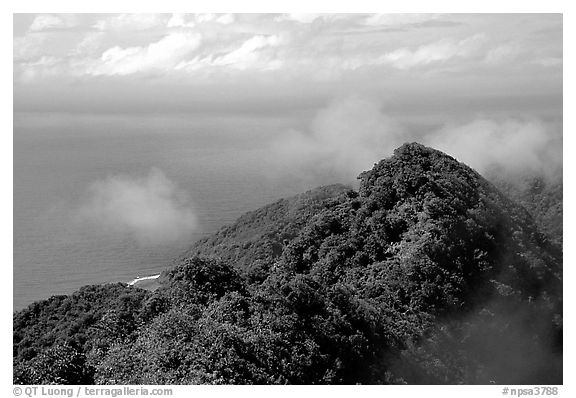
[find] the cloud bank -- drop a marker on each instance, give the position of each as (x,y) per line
(151,209)
(310,43)
(513,146)
(142,62)
(350,135)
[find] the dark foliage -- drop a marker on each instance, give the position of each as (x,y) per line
(257,238)
(427,274)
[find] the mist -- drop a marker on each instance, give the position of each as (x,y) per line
(349,135)
(516,345)
(151,209)
(344,138)
(516,147)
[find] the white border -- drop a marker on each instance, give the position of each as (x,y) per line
(487,6)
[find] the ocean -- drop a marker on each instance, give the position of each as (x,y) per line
(219,161)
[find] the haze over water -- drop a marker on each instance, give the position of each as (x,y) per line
(58,156)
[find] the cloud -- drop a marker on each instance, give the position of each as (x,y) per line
(250,54)
(88,44)
(405,58)
(310,18)
(439,51)
(345,138)
(398,19)
(260,60)
(28,47)
(178,20)
(549,61)
(150,209)
(45,22)
(513,146)
(304,47)
(351,134)
(299,17)
(55,23)
(162,55)
(503,53)
(224,19)
(256,53)
(131,22)
(44,67)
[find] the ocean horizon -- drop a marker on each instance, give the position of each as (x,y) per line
(218,164)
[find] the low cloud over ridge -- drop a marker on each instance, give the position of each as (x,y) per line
(151,209)
(350,135)
(344,138)
(514,146)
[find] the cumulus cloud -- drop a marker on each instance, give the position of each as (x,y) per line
(306,47)
(150,209)
(345,138)
(179,20)
(513,146)
(164,54)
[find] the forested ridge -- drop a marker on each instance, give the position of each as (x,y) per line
(426,274)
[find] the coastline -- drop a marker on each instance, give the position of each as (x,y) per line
(138,280)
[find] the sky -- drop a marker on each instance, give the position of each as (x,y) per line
(348,88)
(282,63)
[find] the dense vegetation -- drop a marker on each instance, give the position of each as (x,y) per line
(426,274)
(541,195)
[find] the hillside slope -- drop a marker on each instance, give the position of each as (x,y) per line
(542,196)
(427,274)
(257,238)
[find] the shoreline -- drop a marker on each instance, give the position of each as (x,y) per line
(143,278)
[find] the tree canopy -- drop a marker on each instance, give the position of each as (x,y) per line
(426,274)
